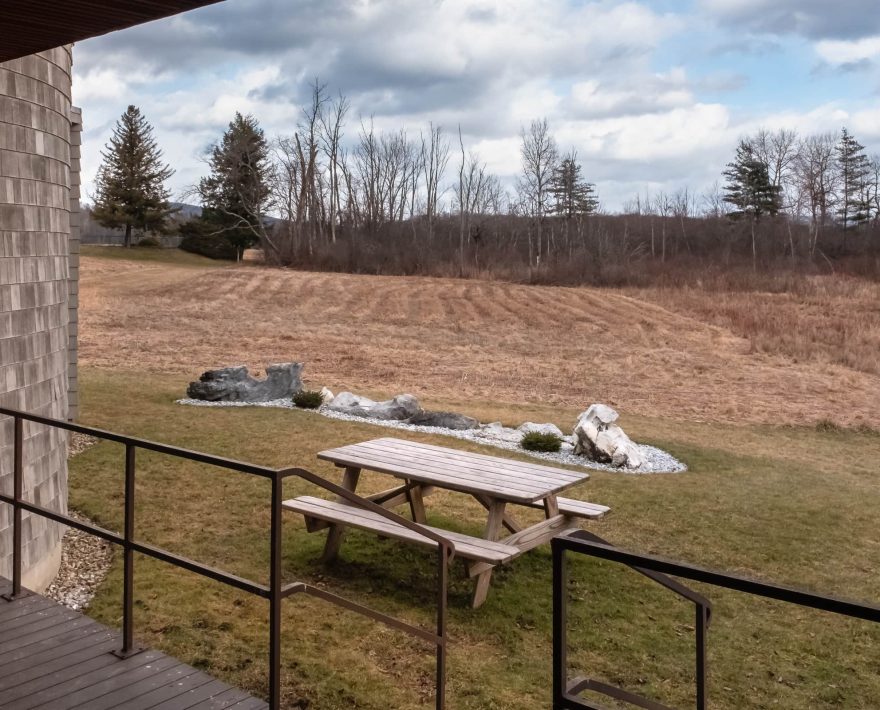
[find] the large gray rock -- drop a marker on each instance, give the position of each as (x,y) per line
(234,384)
(401,407)
(445,420)
(598,437)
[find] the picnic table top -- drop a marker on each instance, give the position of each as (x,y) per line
(498,478)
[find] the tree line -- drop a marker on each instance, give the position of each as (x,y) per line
(337,194)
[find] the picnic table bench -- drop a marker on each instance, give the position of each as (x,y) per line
(494,482)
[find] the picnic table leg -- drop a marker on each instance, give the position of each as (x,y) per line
(416,504)
(551,507)
(334,537)
(493,531)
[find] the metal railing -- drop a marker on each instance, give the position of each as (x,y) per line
(566,691)
(275,592)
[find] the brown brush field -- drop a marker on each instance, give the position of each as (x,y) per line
(687,354)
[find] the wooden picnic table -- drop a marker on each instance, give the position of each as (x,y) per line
(496,483)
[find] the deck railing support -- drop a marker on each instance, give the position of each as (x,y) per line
(17,488)
(128,647)
(275,597)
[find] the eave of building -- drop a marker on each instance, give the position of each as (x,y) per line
(31,26)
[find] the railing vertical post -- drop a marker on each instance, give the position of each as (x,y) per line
(275,595)
(442,601)
(702,626)
(17,488)
(560,621)
(128,648)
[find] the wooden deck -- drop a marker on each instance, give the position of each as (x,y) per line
(55,658)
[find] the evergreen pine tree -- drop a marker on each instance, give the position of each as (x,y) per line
(571,194)
(130,189)
(853,168)
(750,190)
(236,193)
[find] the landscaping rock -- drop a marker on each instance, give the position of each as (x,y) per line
(326,395)
(400,408)
(444,420)
(600,439)
(531,428)
(403,406)
(496,431)
(234,384)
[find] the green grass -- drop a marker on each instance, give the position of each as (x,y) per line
(793,505)
(152,254)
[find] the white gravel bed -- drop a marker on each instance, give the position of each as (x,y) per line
(656,460)
(85,560)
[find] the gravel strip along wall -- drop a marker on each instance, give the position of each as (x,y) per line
(35,293)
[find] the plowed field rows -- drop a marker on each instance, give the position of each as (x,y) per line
(455,339)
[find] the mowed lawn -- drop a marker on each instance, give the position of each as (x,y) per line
(774,497)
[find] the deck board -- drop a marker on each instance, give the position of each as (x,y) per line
(53,658)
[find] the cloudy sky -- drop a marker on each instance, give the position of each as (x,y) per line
(653,94)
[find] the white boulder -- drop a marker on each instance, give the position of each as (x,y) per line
(401,407)
(326,395)
(600,439)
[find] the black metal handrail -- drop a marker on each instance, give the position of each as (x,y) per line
(566,691)
(275,592)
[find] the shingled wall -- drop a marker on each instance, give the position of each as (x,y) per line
(35,291)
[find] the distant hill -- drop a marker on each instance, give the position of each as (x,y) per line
(186,211)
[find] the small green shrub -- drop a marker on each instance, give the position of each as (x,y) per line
(308,399)
(536,441)
(150,242)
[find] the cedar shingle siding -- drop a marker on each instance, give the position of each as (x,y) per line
(38,288)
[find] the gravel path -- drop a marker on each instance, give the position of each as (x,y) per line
(85,559)
(656,460)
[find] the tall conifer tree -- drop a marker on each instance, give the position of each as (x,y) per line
(853,168)
(571,194)
(130,190)
(236,193)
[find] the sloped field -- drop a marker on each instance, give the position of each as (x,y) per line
(447,338)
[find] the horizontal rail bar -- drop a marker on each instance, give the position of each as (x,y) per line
(663,580)
(835,605)
(246,585)
(371,613)
(177,451)
(95,530)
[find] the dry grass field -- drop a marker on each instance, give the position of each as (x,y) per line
(688,355)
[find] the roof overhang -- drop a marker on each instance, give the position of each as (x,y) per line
(31,26)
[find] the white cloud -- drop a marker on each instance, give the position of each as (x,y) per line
(837,52)
(619,81)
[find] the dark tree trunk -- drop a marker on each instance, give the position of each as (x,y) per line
(127,235)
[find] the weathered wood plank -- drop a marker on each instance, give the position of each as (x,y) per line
(463,471)
(578,508)
(445,476)
(466,546)
(66,663)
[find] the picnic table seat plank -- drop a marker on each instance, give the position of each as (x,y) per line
(472,548)
(577,508)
